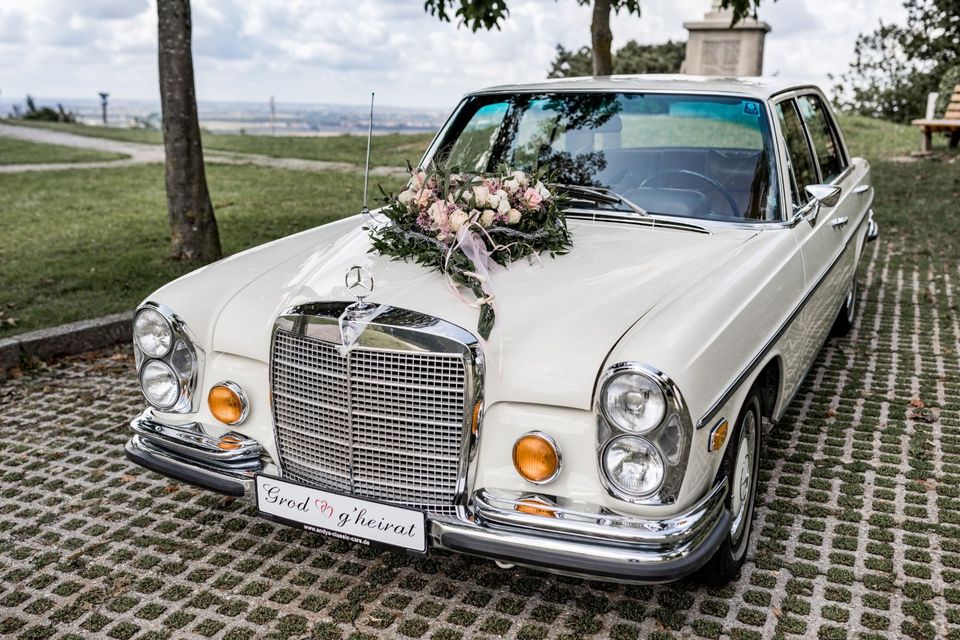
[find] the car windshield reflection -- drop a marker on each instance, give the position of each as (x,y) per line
(694,156)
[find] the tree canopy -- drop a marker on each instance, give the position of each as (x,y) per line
(488,14)
(631,58)
(896,66)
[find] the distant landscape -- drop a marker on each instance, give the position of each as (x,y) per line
(253,118)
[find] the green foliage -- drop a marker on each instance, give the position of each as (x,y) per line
(630,59)
(421,227)
(948,84)
(487,14)
(44,114)
(896,66)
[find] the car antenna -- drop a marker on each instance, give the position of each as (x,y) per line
(366,170)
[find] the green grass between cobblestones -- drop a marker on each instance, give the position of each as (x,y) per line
(13,151)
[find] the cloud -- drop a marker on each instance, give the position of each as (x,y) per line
(337,51)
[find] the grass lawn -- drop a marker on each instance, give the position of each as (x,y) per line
(14,151)
(81,244)
(387,150)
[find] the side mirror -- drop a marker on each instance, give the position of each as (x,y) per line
(824,195)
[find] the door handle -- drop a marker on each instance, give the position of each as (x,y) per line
(862,189)
(839,223)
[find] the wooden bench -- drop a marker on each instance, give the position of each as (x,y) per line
(950,123)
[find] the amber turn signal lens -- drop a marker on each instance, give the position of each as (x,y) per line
(535,507)
(536,458)
(226,404)
(719,435)
(229,443)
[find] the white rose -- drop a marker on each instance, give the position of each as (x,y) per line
(481,195)
(504,206)
(542,190)
(417,180)
(406,196)
(520,177)
(511,185)
(457,219)
(438,214)
(487,218)
(513,216)
(493,200)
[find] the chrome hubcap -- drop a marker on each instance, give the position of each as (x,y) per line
(742,481)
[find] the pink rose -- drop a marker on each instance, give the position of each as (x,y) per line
(532,198)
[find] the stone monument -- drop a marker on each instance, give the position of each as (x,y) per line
(716,49)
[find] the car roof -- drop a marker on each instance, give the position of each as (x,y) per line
(762,87)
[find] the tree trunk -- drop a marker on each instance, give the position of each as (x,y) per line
(193,227)
(601,37)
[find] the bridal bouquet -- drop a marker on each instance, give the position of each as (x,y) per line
(465,226)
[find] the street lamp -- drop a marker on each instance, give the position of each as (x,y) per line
(103,105)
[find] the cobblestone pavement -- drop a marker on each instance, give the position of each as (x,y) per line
(858,530)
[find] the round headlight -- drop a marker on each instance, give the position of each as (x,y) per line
(633,465)
(153,333)
(159,384)
(633,402)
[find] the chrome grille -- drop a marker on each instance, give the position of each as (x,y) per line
(383,424)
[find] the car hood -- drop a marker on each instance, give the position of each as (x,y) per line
(556,318)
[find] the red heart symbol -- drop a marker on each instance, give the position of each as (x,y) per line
(323,507)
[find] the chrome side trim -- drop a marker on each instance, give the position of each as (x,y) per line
(755,362)
(598,523)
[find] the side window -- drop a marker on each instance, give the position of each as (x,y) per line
(802,169)
(824,138)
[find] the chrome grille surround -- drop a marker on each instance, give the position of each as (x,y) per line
(391,420)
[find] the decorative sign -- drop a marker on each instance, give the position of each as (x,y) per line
(340,516)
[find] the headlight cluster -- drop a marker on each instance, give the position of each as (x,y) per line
(644,431)
(166,359)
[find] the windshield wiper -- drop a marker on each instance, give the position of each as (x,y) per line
(602,195)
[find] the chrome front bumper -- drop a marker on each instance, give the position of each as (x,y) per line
(579,539)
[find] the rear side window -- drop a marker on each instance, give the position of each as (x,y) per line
(802,169)
(825,142)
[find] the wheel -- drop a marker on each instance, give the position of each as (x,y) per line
(848,313)
(741,463)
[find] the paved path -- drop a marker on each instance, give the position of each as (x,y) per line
(857,533)
(141,153)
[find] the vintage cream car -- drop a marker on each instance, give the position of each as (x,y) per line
(612,426)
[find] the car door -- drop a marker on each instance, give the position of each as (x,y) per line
(801,169)
(829,259)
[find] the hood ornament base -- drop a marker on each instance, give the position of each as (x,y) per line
(355,318)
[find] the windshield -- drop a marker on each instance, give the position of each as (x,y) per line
(681,155)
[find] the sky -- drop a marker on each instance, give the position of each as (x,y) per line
(337,51)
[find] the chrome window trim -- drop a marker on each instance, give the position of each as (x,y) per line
(189,399)
(669,488)
(320,320)
(719,403)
